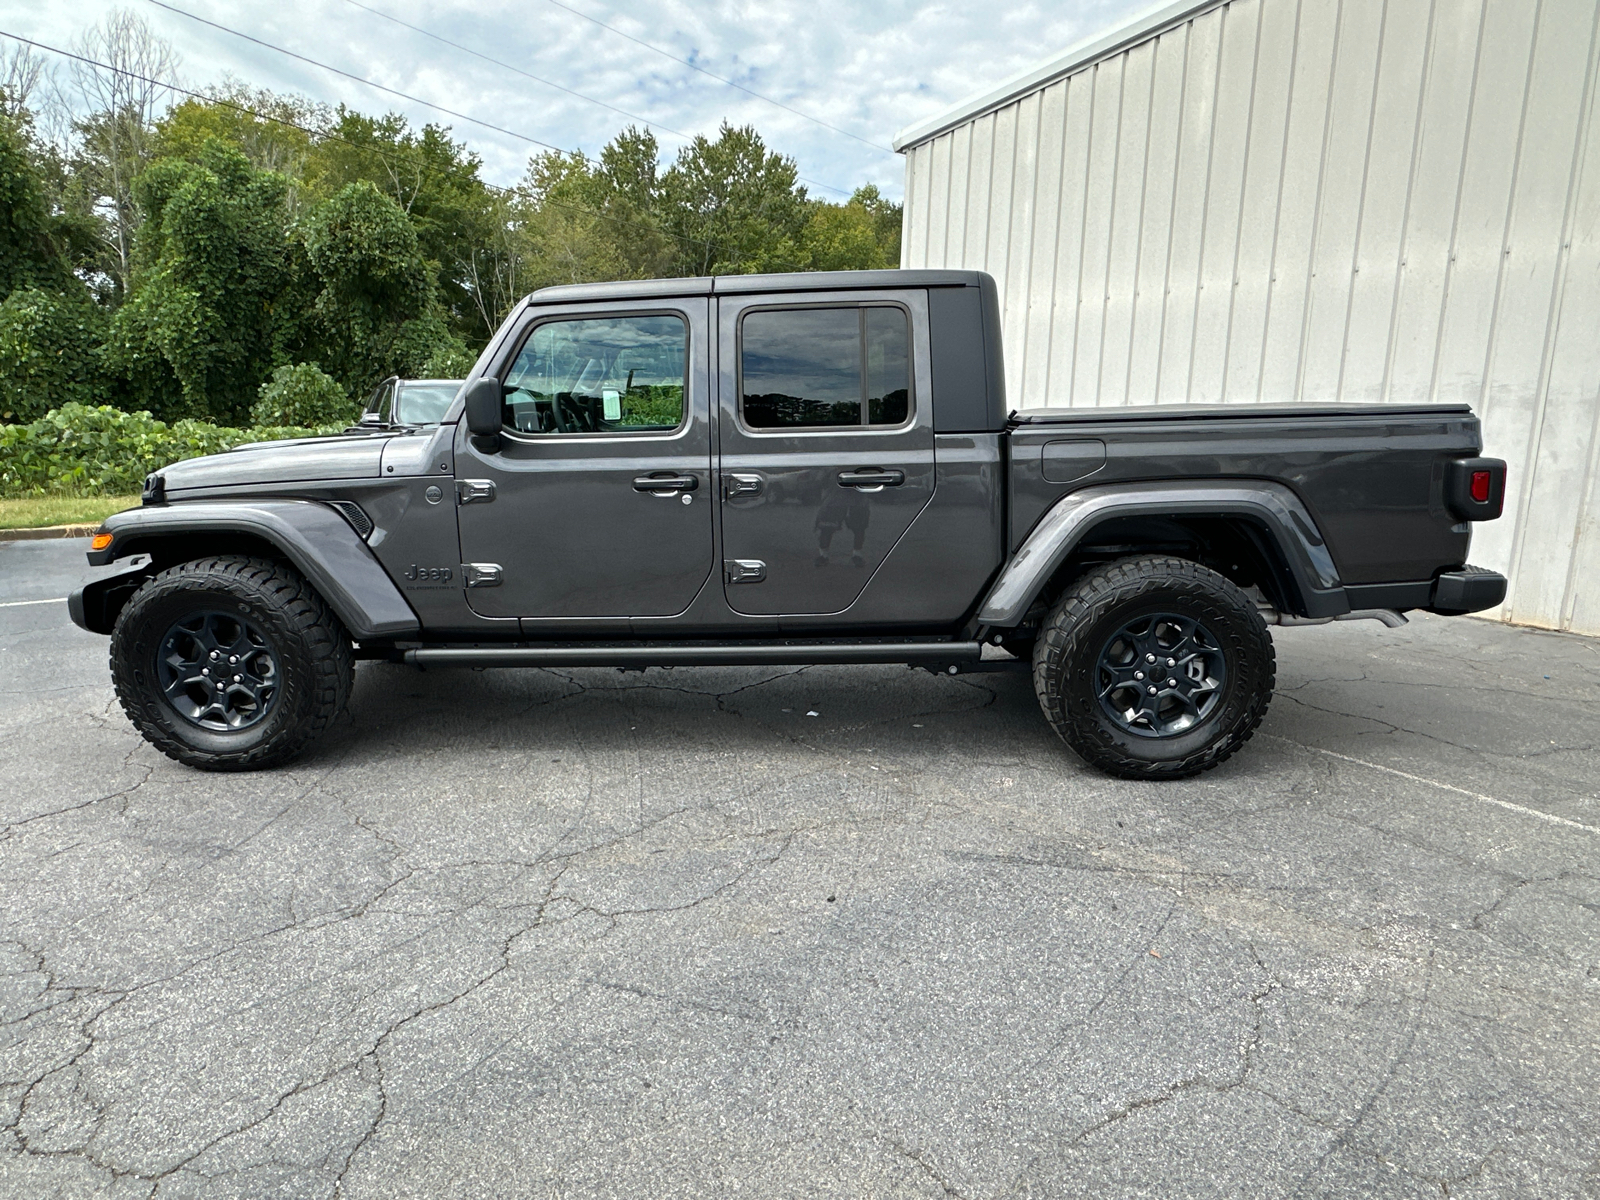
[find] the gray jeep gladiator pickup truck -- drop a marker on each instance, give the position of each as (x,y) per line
(786,469)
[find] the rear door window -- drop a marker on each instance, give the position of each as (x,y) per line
(822,368)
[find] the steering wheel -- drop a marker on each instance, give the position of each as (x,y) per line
(555,412)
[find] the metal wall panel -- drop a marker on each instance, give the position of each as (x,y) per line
(1382,200)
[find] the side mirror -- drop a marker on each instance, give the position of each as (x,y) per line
(483,408)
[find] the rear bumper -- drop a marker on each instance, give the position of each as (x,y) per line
(1468,590)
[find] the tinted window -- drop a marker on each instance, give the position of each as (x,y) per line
(822,367)
(424,403)
(888,366)
(600,375)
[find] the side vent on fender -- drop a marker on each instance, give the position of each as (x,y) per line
(353,512)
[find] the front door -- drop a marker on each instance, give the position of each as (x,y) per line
(601,499)
(826,454)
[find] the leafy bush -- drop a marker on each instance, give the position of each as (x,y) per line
(450,361)
(302,395)
(49,352)
(81,450)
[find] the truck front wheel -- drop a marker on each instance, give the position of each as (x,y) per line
(230,663)
(1154,668)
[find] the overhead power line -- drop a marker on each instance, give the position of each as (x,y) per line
(549,82)
(720,79)
(460,116)
(511,67)
(321,134)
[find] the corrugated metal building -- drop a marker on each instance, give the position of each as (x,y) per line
(1374,200)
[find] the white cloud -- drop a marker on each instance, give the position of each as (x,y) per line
(870,69)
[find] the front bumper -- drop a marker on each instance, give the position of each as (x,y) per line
(95,605)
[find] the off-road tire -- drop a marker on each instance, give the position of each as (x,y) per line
(315,667)
(1071,641)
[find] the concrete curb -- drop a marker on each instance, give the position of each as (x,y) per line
(48,531)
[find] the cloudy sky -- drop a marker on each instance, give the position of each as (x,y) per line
(867,68)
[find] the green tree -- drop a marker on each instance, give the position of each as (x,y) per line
(734,206)
(32,242)
(862,234)
(275,140)
(374,308)
(202,326)
(434,181)
(577,221)
(625,190)
(563,237)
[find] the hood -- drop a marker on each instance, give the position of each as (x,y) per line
(298,460)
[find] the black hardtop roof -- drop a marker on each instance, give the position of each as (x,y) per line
(724,285)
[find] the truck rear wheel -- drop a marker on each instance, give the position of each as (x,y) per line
(230,663)
(1154,668)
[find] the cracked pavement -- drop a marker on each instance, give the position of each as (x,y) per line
(585,933)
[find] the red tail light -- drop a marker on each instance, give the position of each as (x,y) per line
(1475,488)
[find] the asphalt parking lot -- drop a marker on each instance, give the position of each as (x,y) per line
(824,932)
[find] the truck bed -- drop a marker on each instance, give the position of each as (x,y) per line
(1371,475)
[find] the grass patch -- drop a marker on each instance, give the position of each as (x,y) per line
(61,510)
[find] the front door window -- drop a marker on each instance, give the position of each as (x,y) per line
(601,375)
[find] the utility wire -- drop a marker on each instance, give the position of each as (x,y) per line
(551,83)
(460,116)
(720,79)
(510,67)
(322,134)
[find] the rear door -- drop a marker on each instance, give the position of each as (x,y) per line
(826,451)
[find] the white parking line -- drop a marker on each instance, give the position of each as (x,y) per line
(1448,787)
(21,603)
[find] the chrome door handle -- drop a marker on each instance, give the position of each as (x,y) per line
(664,484)
(871,477)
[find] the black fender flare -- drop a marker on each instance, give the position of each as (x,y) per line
(1313,579)
(314,537)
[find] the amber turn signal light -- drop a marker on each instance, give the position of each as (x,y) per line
(101,541)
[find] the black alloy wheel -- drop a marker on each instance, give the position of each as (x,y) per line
(218,671)
(230,663)
(1154,667)
(1161,675)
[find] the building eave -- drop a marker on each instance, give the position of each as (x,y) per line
(1147,25)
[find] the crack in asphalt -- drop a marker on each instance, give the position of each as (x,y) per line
(919,1160)
(6,831)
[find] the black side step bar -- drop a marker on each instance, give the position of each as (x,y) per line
(670,655)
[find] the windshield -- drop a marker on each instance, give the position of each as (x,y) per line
(424,403)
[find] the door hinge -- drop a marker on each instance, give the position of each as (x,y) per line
(474,491)
(744,570)
(740,484)
(479,575)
